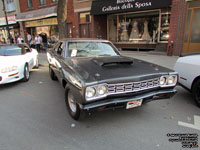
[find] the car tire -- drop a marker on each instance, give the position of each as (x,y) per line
(72,107)
(26,73)
(37,63)
(196,92)
(52,74)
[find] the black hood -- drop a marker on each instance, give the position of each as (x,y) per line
(116,68)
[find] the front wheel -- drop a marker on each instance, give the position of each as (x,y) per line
(196,92)
(72,107)
(26,73)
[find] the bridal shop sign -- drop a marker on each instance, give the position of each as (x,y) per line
(117,6)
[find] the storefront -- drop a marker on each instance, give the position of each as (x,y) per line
(192,28)
(135,24)
(13,26)
(40,21)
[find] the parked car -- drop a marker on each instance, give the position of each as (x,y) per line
(96,77)
(188,67)
(16,61)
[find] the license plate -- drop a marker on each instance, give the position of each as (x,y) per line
(133,104)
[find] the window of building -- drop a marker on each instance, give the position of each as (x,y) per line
(54,1)
(10,5)
(29,3)
(85,17)
(42,2)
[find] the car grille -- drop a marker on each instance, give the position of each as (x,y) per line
(133,86)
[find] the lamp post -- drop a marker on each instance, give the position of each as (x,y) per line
(4,9)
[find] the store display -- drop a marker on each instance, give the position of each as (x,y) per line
(146,35)
(124,33)
(113,29)
(135,32)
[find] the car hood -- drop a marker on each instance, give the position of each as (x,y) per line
(10,60)
(115,68)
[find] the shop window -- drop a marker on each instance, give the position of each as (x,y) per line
(29,3)
(140,27)
(42,2)
(10,5)
(85,17)
(195,34)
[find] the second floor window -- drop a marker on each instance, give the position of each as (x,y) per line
(53,1)
(42,2)
(10,5)
(29,3)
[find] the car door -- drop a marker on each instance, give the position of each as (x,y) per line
(59,53)
(29,58)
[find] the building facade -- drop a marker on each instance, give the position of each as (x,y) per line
(39,16)
(12,9)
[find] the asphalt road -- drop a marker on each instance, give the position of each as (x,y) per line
(33,116)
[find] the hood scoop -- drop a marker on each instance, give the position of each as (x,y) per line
(112,61)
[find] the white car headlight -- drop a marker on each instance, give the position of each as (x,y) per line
(101,90)
(90,92)
(8,69)
(163,80)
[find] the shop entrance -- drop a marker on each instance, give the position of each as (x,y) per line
(192,30)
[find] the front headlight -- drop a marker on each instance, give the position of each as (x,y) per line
(96,92)
(90,92)
(8,69)
(168,80)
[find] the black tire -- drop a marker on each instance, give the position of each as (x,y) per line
(26,73)
(37,63)
(52,74)
(196,92)
(73,108)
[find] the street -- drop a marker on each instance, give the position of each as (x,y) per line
(33,116)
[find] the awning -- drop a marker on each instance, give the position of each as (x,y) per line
(11,26)
(120,6)
(37,14)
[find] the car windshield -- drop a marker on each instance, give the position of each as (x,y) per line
(90,49)
(10,50)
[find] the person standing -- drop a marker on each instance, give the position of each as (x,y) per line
(38,41)
(44,40)
(20,40)
(28,38)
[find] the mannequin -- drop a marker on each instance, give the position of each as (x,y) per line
(124,34)
(146,35)
(135,32)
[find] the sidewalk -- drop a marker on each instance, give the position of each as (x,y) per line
(156,58)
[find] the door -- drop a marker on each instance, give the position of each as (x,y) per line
(192,31)
(84,30)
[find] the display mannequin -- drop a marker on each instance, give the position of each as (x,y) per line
(124,33)
(135,32)
(146,35)
(113,31)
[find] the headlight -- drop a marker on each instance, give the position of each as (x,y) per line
(101,90)
(168,80)
(172,80)
(8,69)
(90,92)
(96,92)
(163,80)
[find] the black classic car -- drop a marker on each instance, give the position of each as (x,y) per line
(96,77)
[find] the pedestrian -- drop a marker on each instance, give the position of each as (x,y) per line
(20,40)
(38,41)
(29,38)
(44,40)
(32,43)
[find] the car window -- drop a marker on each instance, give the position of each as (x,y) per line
(10,50)
(27,49)
(90,49)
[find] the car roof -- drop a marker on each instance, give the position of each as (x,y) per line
(85,39)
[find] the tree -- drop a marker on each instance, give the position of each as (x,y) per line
(62,18)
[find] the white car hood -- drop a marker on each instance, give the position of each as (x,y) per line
(11,60)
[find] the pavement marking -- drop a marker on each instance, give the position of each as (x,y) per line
(26,93)
(196,124)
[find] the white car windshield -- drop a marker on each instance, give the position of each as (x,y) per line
(90,49)
(10,50)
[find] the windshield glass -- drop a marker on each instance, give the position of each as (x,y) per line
(90,49)
(10,50)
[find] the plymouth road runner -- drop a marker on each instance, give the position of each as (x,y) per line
(97,77)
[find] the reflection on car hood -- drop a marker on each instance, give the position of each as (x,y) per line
(113,68)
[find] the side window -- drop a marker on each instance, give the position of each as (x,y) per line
(27,49)
(59,49)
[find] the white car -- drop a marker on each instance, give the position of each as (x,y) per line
(16,61)
(188,67)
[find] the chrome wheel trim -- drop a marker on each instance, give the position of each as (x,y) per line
(71,102)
